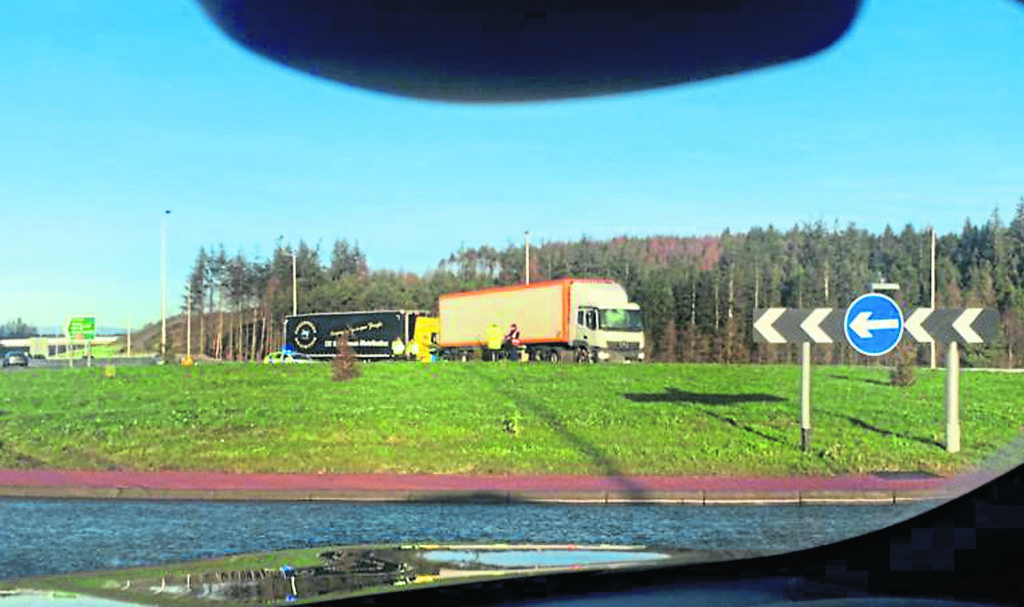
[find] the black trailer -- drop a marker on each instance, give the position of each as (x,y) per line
(369,333)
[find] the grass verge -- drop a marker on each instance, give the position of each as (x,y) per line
(500,418)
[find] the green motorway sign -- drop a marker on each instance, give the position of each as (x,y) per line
(81,328)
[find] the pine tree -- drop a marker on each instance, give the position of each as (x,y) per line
(197,294)
(668,345)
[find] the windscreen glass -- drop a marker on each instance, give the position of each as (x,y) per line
(214,261)
(617,319)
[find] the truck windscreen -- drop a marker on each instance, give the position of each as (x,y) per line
(617,319)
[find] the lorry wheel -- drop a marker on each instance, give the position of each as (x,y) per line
(554,357)
(583,356)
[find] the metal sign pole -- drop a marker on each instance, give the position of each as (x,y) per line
(805,397)
(67,348)
(931,344)
(952,398)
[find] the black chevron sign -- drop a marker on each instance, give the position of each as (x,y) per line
(923,325)
(962,325)
(791,325)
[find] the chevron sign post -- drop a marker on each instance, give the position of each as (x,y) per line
(868,328)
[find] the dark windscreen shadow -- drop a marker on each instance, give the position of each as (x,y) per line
(674,395)
(469,497)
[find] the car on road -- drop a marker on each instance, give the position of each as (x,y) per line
(15,359)
(287,358)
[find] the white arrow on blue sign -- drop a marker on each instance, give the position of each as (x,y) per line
(873,324)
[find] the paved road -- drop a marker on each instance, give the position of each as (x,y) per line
(702,490)
(120,361)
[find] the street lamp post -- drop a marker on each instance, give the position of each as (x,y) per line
(295,291)
(163,284)
(188,323)
(527,257)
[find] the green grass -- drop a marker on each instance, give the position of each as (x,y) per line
(497,419)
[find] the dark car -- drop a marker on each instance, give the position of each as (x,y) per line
(15,359)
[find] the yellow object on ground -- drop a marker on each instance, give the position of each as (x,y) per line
(494,337)
(425,335)
(187,361)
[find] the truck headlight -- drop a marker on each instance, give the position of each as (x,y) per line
(603,355)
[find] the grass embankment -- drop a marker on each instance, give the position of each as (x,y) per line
(496,418)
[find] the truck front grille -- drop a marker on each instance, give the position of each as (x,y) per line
(624,346)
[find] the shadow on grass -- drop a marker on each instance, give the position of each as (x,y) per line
(745,428)
(674,395)
(883,432)
(582,445)
(866,380)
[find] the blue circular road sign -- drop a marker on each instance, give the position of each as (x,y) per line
(873,324)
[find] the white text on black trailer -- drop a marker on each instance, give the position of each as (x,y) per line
(370,333)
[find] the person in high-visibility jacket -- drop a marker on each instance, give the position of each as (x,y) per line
(513,343)
(513,335)
(494,338)
(397,348)
(413,350)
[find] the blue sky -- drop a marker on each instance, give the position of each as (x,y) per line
(112,111)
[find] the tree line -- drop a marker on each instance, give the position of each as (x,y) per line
(697,293)
(17,328)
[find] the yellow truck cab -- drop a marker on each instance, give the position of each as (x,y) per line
(425,337)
